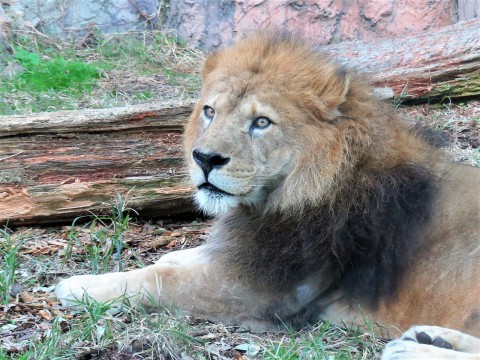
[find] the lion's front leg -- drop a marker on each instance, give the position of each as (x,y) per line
(190,281)
(112,287)
(139,286)
(153,284)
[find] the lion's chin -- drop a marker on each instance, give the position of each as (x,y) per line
(214,203)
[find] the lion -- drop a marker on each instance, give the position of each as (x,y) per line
(329,207)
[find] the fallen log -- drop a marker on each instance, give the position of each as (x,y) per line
(57,166)
(431,65)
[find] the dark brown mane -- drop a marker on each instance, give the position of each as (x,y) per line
(368,234)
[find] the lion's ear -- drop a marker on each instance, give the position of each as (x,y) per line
(333,92)
(210,64)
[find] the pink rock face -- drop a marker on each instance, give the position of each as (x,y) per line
(323,21)
(313,19)
(327,21)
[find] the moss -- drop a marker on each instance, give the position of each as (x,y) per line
(465,86)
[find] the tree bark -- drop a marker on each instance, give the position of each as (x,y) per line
(431,65)
(57,166)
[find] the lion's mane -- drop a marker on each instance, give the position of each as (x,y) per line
(354,210)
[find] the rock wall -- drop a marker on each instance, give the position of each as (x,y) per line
(325,21)
(65,17)
(212,23)
(203,23)
(468,9)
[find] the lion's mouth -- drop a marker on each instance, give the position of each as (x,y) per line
(213,189)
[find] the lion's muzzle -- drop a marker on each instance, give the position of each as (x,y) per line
(209,161)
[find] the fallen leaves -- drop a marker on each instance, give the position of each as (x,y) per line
(29,315)
(47,253)
(45,247)
(74,240)
(171,239)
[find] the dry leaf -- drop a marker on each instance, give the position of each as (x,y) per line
(171,244)
(46,315)
(26,297)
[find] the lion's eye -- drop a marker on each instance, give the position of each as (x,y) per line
(208,112)
(261,122)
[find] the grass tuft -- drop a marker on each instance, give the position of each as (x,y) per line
(9,250)
(106,236)
(323,341)
(54,74)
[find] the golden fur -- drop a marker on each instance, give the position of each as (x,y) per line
(329,207)
(302,84)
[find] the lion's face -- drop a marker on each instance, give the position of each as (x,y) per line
(242,149)
(251,129)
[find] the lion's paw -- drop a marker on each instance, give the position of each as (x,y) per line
(73,291)
(408,349)
(430,342)
(400,350)
(429,335)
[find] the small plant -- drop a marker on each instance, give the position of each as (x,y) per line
(106,236)
(120,219)
(98,249)
(9,250)
(96,322)
(54,74)
(51,346)
(398,100)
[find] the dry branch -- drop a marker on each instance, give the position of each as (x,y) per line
(56,166)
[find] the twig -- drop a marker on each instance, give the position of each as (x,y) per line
(10,156)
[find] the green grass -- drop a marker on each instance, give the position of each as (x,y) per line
(104,328)
(113,70)
(324,341)
(9,248)
(106,235)
(54,74)
(398,100)
(48,81)
(144,95)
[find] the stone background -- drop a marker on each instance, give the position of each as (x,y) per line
(211,23)
(65,17)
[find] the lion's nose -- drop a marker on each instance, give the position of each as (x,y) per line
(209,161)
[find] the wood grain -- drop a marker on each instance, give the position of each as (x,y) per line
(55,166)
